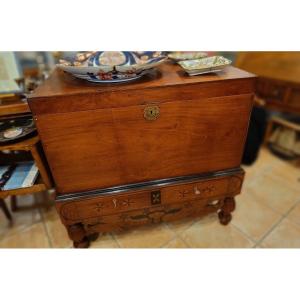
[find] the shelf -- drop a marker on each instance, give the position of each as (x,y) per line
(24,145)
(38,186)
(13,105)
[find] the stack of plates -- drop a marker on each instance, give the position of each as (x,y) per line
(205,65)
(15,129)
(112,66)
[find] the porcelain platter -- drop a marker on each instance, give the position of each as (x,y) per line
(112,66)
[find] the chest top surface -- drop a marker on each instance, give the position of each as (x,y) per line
(168,74)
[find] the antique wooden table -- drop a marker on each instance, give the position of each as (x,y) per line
(165,147)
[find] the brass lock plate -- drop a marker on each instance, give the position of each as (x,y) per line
(151,112)
(155,197)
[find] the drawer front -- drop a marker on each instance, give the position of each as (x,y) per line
(204,190)
(102,148)
(151,215)
(271,90)
(294,98)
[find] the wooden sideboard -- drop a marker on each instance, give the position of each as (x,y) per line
(165,147)
(278,83)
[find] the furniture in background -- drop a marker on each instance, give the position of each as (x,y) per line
(277,91)
(279,121)
(278,83)
(43,181)
(15,106)
(165,147)
(283,137)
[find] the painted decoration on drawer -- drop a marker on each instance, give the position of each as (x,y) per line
(112,66)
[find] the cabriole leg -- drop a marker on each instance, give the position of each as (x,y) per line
(77,235)
(226,210)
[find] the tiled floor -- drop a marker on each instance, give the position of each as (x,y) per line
(267,216)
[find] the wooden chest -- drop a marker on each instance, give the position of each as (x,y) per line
(165,147)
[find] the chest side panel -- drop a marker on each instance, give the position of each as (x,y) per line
(106,147)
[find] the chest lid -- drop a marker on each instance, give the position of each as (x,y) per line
(63,93)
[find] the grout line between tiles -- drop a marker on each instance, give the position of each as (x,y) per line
(276,224)
(179,237)
(115,239)
(190,246)
(243,232)
(270,230)
(169,241)
(189,226)
(277,211)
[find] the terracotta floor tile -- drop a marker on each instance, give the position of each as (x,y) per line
(176,243)
(285,235)
(146,237)
(215,235)
(271,191)
(31,237)
(265,162)
(294,215)
(104,241)
(288,174)
(56,230)
(252,216)
(180,225)
(21,219)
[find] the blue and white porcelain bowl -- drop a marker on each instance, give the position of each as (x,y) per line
(112,66)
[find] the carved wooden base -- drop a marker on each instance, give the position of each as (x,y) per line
(86,231)
(226,210)
(85,217)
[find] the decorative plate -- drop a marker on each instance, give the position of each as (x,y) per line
(14,129)
(112,66)
(186,55)
(205,65)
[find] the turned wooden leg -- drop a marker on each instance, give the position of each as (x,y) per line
(77,235)
(226,210)
(13,203)
(5,210)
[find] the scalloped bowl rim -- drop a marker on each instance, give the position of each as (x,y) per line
(106,69)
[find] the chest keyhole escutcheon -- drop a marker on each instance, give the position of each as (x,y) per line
(151,112)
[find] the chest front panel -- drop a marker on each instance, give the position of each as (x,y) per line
(107,147)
